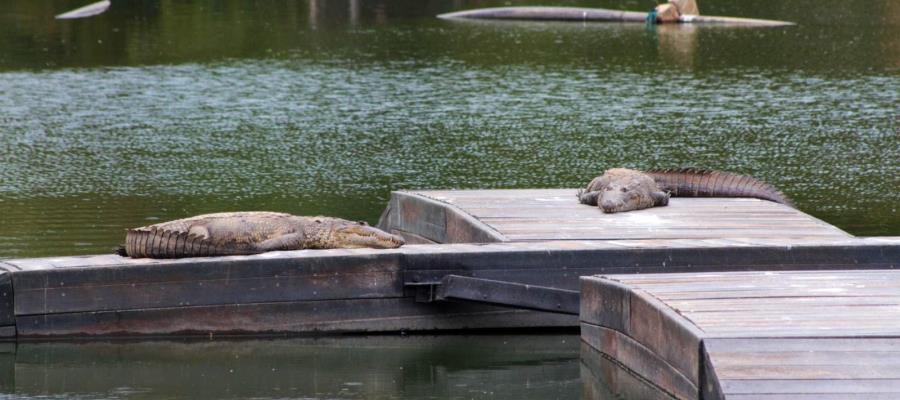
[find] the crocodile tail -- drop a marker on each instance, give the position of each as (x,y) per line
(696,182)
(160,243)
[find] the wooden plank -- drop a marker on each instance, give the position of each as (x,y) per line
(559,267)
(436,221)
(812,386)
(207,281)
(656,234)
(756,345)
(555,214)
(322,316)
(603,378)
(843,371)
(644,362)
(815,396)
(773,334)
(610,305)
(63,285)
(422,217)
(509,294)
(6,299)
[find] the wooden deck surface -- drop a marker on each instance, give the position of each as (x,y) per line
(534,237)
(752,335)
(556,214)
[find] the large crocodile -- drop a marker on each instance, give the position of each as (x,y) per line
(238,233)
(621,189)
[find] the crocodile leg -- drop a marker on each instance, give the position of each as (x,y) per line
(290,241)
(660,198)
(589,198)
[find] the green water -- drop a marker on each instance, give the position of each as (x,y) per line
(158,110)
(415,367)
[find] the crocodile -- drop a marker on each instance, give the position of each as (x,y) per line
(621,189)
(253,232)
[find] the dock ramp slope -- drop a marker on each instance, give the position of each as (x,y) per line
(465,216)
(751,335)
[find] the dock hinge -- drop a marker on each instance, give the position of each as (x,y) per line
(499,293)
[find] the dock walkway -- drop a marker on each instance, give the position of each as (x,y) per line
(752,335)
(540,237)
(465,216)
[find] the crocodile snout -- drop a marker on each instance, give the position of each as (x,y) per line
(361,235)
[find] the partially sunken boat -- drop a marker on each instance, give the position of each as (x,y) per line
(580,14)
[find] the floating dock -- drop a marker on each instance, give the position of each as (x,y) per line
(530,237)
(527,215)
(751,335)
(705,298)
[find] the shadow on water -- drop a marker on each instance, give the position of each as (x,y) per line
(382,367)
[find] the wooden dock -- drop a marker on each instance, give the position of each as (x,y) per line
(534,237)
(751,335)
(466,216)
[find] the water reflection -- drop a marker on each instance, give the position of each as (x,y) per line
(677,43)
(159,110)
(447,367)
(856,36)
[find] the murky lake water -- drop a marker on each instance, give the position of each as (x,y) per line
(381,367)
(161,109)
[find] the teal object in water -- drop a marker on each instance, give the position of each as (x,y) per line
(651,17)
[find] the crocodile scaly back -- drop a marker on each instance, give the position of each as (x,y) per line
(695,182)
(159,243)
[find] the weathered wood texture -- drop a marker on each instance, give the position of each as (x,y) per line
(507,294)
(455,216)
(7,313)
(305,291)
(540,237)
(287,318)
(602,378)
(422,220)
(310,291)
(766,335)
(308,276)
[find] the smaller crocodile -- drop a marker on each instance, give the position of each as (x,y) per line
(239,233)
(621,189)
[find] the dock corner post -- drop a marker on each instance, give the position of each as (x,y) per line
(7,332)
(7,299)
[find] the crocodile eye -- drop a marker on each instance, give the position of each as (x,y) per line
(363,223)
(624,189)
